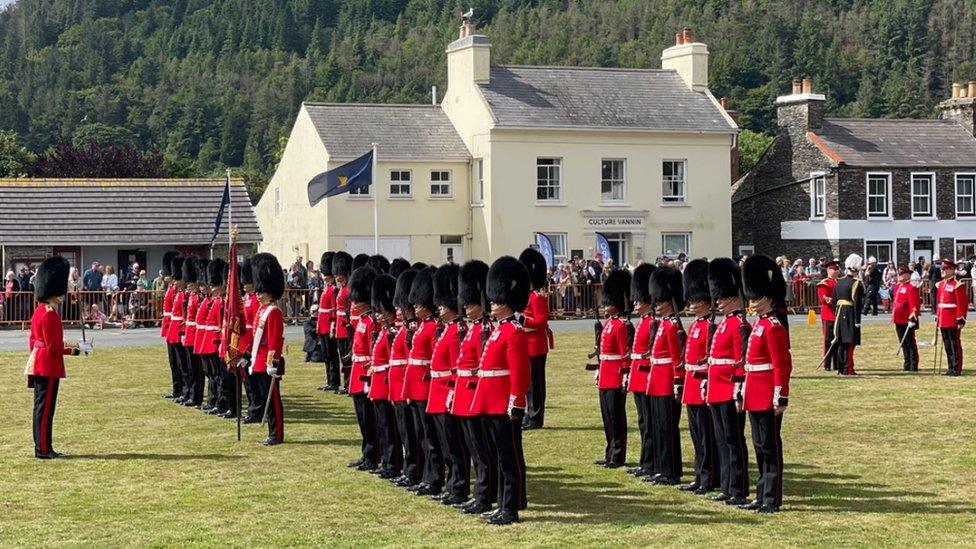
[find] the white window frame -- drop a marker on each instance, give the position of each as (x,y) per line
(965,241)
(622,182)
(932,186)
(277,200)
(558,166)
(479,182)
(955,188)
(814,176)
(892,251)
(669,200)
(449,183)
(664,250)
(867,196)
(558,239)
(399,195)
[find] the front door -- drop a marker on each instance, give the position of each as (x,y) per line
(126,259)
(618,247)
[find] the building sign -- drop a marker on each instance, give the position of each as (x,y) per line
(620,220)
(614,222)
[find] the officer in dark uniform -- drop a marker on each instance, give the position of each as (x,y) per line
(848,300)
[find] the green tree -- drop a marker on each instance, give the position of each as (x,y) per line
(752,145)
(15,160)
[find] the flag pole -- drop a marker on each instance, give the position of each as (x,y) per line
(230,211)
(376,203)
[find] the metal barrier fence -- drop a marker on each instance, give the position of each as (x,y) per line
(139,308)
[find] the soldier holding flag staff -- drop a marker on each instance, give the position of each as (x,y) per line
(615,345)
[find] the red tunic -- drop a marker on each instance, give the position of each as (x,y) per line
(202,329)
(640,367)
(342,321)
(536,324)
(768,366)
(398,360)
(167,310)
(416,380)
(46,342)
(215,321)
(726,366)
(614,354)
(467,369)
(442,362)
(667,369)
(272,337)
(190,322)
(953,303)
(696,360)
(906,303)
(825,294)
(503,376)
(362,354)
(174,331)
(379,385)
(251,305)
(326,310)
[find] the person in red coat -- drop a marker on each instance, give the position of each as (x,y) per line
(503,380)
(226,406)
(906,307)
(390,450)
(267,347)
(171,353)
(193,393)
(535,322)
(828,315)
(952,307)
(399,356)
(360,297)
(45,365)
(208,385)
(342,326)
(472,281)
(176,327)
(667,378)
(640,366)
(327,316)
(610,378)
(697,349)
(766,389)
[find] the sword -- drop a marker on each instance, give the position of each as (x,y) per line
(830,350)
(902,342)
(267,402)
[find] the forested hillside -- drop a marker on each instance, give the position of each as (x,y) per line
(216,83)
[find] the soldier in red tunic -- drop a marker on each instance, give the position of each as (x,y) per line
(208,386)
(342,327)
(174,328)
(952,307)
(667,375)
(45,365)
(171,353)
(327,316)
(503,380)
(640,366)
(535,322)
(472,281)
(825,299)
(390,451)
(360,296)
(193,395)
(255,406)
(226,406)
(906,310)
(697,349)
(399,356)
(766,389)
(723,383)
(267,347)
(610,379)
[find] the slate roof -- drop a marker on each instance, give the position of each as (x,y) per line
(641,99)
(890,143)
(120,211)
(402,131)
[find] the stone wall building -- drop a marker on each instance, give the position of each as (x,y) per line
(893,189)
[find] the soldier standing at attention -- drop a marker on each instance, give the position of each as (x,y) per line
(45,365)
(610,379)
(194,387)
(171,352)
(399,356)
(390,451)
(952,307)
(342,327)
(327,310)
(667,375)
(848,299)
(535,321)
(360,296)
(267,347)
(906,308)
(825,298)
(640,366)
(175,328)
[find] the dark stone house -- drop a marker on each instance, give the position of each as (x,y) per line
(892,189)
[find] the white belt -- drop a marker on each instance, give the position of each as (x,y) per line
(417,362)
(435,374)
(758,367)
(354,317)
(661,361)
(166,315)
(191,324)
(492,373)
(722,361)
(466,373)
(612,357)
(527,330)
(361,358)
(381,368)
(341,313)
(213,328)
(326,311)
(637,356)
(248,326)
(398,362)
(696,367)
(180,318)
(947,305)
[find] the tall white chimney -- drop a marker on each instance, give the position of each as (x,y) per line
(689,59)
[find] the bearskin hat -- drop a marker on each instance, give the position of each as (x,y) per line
(384,288)
(359,261)
(472,279)
(401,298)
(191,269)
(341,264)
(245,272)
(176,267)
(535,263)
(422,289)
(268,276)
(695,281)
(167,260)
(446,286)
(665,285)
(361,284)
(379,263)
(762,277)
(51,279)
(204,278)
(724,278)
(397,266)
(217,272)
(616,290)
(420,265)
(508,283)
(640,281)
(325,264)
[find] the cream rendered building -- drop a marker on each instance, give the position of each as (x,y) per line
(642,156)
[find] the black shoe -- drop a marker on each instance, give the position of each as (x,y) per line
(612,465)
(767,509)
(721,496)
(637,471)
(689,487)
(169,396)
(178,400)
(342,391)
(388,474)
(476,509)
(189,404)
(368,466)
(214,411)
(271,442)
(530,426)
(428,490)
(700,491)
(355,464)
(404,482)
(664,481)
(417,486)
(50,455)
(736,501)
(600,462)
(465,504)
(250,419)
(751,506)
(206,407)
(490,513)
(502,518)
(453,500)
(440,496)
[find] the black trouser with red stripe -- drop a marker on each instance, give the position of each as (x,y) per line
(666,412)
(511,473)
(828,337)
(210,368)
(455,454)
(535,399)
(408,437)
(733,456)
(613,409)
(706,452)
(260,386)
(953,348)
(367,428)
(643,404)
(517,419)
(909,347)
(482,455)
(331,354)
(45,401)
(768,442)
(344,358)
(174,368)
(391,452)
(432,461)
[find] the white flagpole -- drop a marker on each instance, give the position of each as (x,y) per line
(230,211)
(376,203)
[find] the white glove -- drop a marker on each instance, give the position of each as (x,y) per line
(596,378)
(626,380)
(450,399)
(911,324)
(704,389)
(273,370)
(85,347)
(511,406)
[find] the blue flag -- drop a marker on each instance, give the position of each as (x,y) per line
(352,175)
(220,211)
(545,248)
(603,248)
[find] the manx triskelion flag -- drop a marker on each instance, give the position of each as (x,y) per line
(352,175)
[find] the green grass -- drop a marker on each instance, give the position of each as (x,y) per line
(882,459)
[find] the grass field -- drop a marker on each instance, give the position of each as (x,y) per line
(886,458)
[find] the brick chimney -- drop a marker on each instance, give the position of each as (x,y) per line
(961,107)
(689,59)
(802,110)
